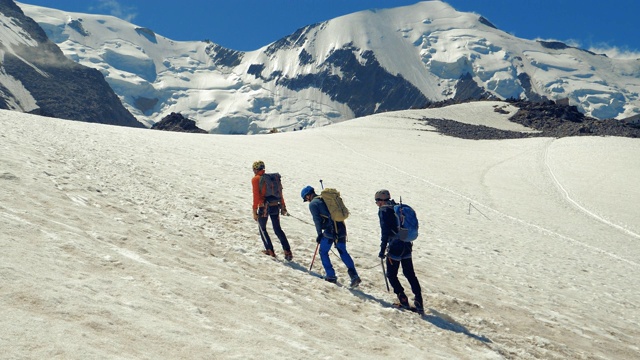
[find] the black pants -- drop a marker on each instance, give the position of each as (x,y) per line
(407,269)
(272,212)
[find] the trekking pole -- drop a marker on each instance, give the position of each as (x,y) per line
(314,257)
(318,245)
(384,273)
(262,237)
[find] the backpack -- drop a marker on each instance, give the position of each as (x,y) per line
(337,209)
(407,222)
(272,187)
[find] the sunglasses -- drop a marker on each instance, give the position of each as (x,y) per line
(380,200)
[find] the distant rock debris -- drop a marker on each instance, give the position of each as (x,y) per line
(179,123)
(558,120)
(551,119)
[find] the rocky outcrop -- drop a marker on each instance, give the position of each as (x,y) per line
(467,89)
(550,118)
(177,122)
(558,120)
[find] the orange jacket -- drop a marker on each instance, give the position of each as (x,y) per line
(258,197)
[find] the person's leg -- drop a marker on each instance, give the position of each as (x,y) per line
(410,274)
(392,274)
(262,224)
(348,262)
(325,246)
(344,255)
(274,213)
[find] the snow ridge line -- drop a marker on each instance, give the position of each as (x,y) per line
(575,203)
(538,227)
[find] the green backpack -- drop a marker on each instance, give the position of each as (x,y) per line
(332,199)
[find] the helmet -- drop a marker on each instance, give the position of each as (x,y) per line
(258,165)
(382,195)
(306,191)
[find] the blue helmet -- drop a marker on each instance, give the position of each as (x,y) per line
(306,191)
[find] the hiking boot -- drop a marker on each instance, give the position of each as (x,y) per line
(355,279)
(403,301)
(332,280)
(288,255)
(418,305)
(269,252)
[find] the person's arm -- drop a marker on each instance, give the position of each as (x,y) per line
(317,218)
(387,228)
(255,185)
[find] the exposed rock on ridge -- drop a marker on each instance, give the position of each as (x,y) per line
(550,118)
(177,122)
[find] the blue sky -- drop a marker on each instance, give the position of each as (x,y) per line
(250,24)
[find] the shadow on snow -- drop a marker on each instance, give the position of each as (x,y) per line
(434,317)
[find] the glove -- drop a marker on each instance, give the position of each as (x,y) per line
(284,212)
(319,238)
(381,254)
(255,215)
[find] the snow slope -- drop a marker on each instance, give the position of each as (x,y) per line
(129,243)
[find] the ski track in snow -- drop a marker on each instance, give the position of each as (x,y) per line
(507,216)
(567,197)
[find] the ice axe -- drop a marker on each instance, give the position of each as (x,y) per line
(314,257)
(384,273)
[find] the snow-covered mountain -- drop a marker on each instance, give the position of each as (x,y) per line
(36,77)
(359,64)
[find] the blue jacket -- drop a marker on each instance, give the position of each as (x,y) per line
(324,224)
(396,249)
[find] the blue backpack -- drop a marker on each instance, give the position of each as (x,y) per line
(407,222)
